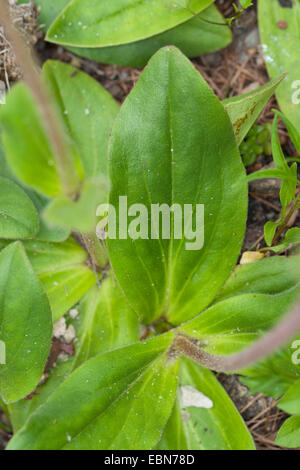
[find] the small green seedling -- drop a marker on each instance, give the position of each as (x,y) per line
(256,143)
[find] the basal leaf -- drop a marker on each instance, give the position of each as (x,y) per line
(79,215)
(18,216)
(255,297)
(290,402)
(279,31)
(50,10)
(46,233)
(103,322)
(66,287)
(270,276)
(142,412)
(27,147)
(197,36)
(25,325)
(289,434)
(176,148)
(90,23)
(174,437)
(97,406)
(39,201)
(244,110)
(5,171)
(87,110)
(194,37)
(62,269)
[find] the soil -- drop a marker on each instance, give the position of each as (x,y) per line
(237,69)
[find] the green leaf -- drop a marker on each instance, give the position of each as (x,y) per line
(288,187)
(104,322)
(62,269)
(118,400)
(254,298)
(49,11)
(25,325)
(87,110)
(289,434)
(90,23)
(270,231)
(160,276)
(292,237)
(195,37)
(27,147)
(270,276)
(273,376)
(280,47)
(293,132)
(18,216)
(217,428)
(46,233)
(5,171)
(290,402)
(271,173)
(174,437)
(79,215)
(194,427)
(245,109)
(246,3)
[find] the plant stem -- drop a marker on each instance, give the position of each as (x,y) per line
(95,250)
(293,159)
(65,163)
(286,220)
(265,346)
(5,427)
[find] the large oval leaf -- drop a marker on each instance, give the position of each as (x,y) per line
(118,400)
(87,110)
(103,323)
(25,325)
(195,37)
(18,216)
(111,22)
(176,148)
